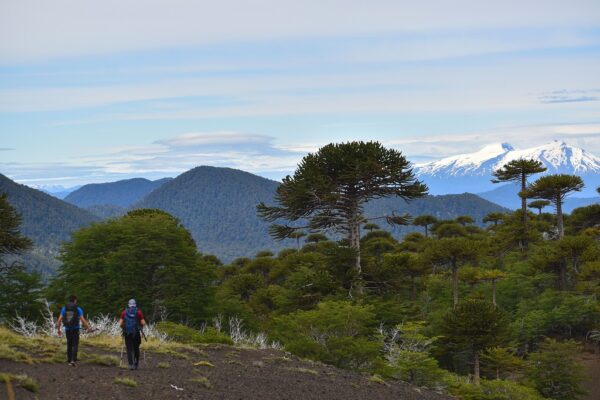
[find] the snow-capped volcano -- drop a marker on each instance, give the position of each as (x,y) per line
(473,172)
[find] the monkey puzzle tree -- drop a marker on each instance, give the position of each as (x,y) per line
(425,221)
(11,240)
(555,188)
(518,171)
(493,217)
(453,252)
(329,189)
(539,205)
(474,326)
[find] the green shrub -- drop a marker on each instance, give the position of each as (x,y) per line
(336,332)
(185,334)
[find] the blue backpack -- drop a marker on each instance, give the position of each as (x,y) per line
(131,321)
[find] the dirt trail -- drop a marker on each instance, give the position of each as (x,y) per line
(224,373)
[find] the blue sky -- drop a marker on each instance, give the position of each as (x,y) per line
(101,91)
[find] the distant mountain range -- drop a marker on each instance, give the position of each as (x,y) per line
(473,172)
(217,205)
(507,196)
(121,193)
(47,220)
(58,191)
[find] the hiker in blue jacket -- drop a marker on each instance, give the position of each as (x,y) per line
(71,316)
(132,322)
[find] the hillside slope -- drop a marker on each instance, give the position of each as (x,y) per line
(47,220)
(218,206)
(121,193)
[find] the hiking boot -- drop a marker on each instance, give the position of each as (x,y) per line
(135,366)
(131,367)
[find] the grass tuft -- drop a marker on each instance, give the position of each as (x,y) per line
(203,381)
(163,365)
(204,364)
(10,353)
(304,370)
(99,359)
(126,381)
(378,379)
(23,381)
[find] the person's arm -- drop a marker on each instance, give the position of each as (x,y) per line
(85,323)
(141,318)
(58,324)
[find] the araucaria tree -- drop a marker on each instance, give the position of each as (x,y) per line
(555,188)
(518,171)
(11,240)
(329,189)
(474,326)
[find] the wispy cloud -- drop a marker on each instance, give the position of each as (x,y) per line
(167,157)
(6,149)
(38,29)
(570,96)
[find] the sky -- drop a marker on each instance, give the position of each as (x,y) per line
(97,91)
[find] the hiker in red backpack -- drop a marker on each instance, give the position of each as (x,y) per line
(132,322)
(70,316)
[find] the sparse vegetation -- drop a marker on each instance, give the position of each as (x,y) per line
(23,381)
(125,381)
(202,380)
(204,363)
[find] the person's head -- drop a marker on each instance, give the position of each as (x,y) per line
(131,303)
(73,298)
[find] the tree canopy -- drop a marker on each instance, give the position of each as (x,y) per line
(329,189)
(146,255)
(555,188)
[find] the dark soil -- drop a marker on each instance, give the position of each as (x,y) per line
(591,363)
(236,374)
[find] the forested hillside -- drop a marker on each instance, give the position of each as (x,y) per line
(47,220)
(218,206)
(121,193)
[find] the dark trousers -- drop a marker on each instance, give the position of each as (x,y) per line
(132,342)
(72,344)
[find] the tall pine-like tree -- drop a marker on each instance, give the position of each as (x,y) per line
(518,171)
(555,188)
(329,190)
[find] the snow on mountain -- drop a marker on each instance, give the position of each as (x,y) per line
(473,172)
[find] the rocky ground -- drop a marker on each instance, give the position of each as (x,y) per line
(215,372)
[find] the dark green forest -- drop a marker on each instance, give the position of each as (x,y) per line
(121,193)
(494,310)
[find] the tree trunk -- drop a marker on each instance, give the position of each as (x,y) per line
(562,278)
(354,239)
(524,209)
(454,285)
(426,231)
(494,292)
(476,367)
(559,217)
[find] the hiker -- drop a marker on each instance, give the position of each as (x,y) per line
(132,322)
(70,316)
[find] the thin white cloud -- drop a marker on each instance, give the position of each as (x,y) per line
(38,29)
(214,138)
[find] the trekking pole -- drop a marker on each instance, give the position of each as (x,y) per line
(122,348)
(146,340)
